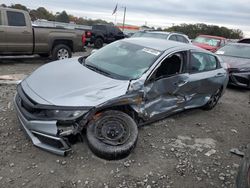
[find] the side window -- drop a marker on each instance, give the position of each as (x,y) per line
(15,18)
(180,38)
(173,37)
(200,62)
(171,66)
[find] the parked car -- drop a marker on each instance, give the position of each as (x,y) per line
(125,84)
(19,37)
(237,56)
(174,36)
(243,176)
(210,43)
(101,34)
(245,40)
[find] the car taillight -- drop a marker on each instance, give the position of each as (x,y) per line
(83,39)
(88,34)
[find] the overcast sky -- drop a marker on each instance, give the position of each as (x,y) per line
(229,13)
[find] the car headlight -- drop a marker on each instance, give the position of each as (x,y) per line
(65,114)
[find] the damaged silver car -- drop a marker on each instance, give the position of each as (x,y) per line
(110,93)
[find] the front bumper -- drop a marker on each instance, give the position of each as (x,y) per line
(43,134)
(240,79)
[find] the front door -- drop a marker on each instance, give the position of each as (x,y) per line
(19,34)
(165,89)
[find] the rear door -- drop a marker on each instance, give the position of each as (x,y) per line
(206,76)
(19,34)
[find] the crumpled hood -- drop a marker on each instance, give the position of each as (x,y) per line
(68,83)
(236,62)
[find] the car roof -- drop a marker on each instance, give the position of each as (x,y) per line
(211,36)
(159,32)
(160,44)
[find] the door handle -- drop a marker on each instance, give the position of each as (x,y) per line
(26,32)
(180,83)
(219,74)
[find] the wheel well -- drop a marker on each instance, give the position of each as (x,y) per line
(68,43)
(126,109)
(99,37)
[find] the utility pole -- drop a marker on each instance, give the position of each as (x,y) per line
(124,16)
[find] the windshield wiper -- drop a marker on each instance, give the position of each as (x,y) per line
(96,69)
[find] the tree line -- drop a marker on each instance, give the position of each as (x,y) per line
(191,30)
(43,13)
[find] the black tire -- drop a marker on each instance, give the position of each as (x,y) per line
(243,176)
(61,51)
(103,124)
(98,43)
(213,100)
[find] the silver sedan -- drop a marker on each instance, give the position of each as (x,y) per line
(124,84)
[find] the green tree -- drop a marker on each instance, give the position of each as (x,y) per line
(193,30)
(19,6)
(63,17)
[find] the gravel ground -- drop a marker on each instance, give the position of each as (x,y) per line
(190,149)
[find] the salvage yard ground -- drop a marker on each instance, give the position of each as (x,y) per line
(189,149)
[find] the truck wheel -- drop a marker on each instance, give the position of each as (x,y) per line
(213,100)
(61,51)
(98,43)
(112,135)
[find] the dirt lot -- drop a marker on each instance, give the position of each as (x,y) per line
(169,153)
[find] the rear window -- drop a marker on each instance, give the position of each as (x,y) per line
(234,50)
(15,18)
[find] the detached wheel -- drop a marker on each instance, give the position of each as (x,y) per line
(213,100)
(98,43)
(60,52)
(112,135)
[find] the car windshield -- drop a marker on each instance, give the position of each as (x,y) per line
(122,60)
(242,51)
(207,40)
(151,35)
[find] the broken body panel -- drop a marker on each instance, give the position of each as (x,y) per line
(76,87)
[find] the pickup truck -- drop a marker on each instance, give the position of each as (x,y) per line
(101,34)
(19,37)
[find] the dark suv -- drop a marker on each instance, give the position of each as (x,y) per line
(101,34)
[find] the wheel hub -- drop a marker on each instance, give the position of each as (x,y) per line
(112,131)
(62,54)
